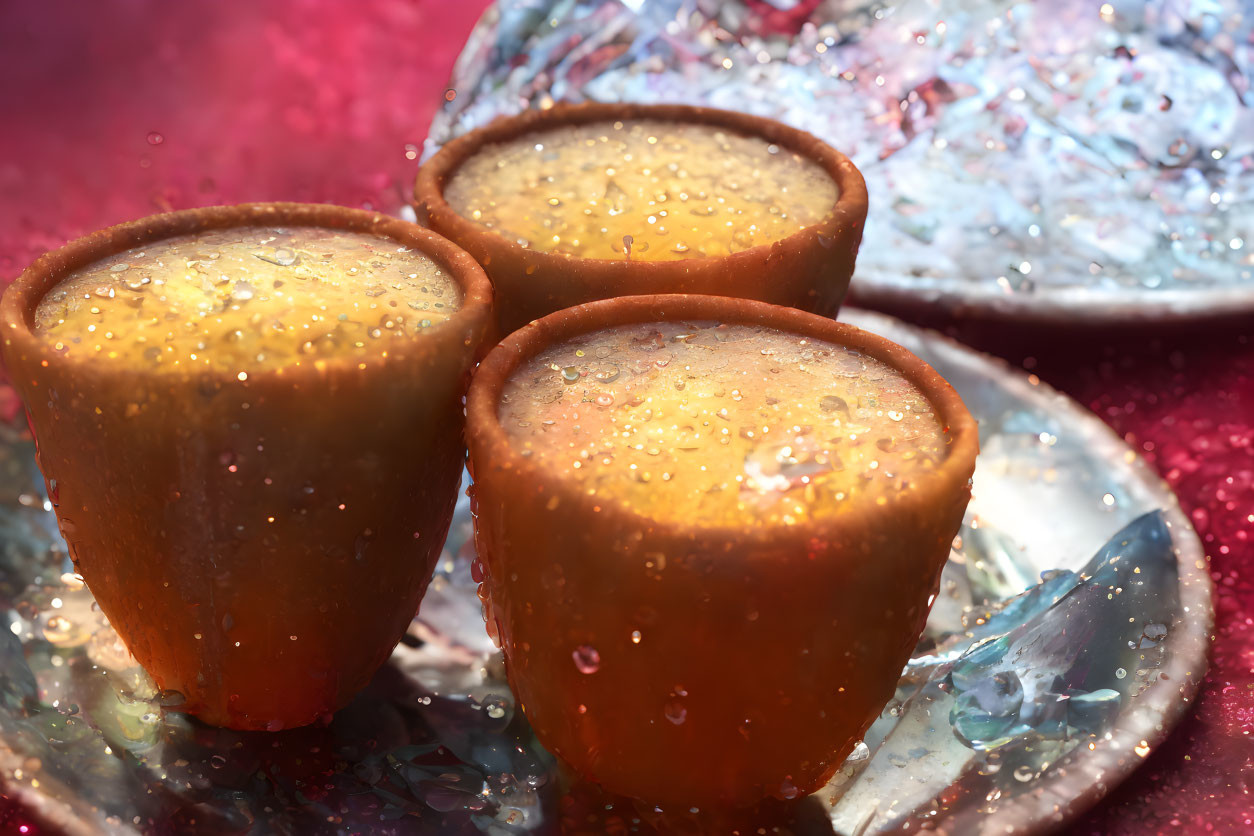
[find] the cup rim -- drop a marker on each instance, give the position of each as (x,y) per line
(928,490)
(848,211)
(23,295)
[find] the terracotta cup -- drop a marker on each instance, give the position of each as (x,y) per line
(771,704)
(260,626)
(809,270)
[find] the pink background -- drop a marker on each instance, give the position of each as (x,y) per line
(111,111)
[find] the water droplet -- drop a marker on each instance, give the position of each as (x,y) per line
(570,374)
(1120,673)
(493,627)
(635,637)
(494,707)
(1024,773)
(60,631)
(606,375)
(675,712)
(155,138)
(833,403)
(587,659)
(282,256)
(1153,634)
(242,291)
(217,761)
(788,790)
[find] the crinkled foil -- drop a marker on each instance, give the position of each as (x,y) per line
(1055,158)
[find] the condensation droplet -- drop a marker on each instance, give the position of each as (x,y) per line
(587,659)
(788,790)
(833,403)
(494,707)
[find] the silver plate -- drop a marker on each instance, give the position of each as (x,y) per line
(1017,710)
(1046,160)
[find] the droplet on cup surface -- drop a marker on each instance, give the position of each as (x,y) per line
(587,659)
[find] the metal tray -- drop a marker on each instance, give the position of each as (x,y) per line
(1044,160)
(1069,636)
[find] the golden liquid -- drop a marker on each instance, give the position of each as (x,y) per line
(713,424)
(248,298)
(645,190)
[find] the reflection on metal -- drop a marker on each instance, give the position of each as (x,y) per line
(1046,159)
(1045,674)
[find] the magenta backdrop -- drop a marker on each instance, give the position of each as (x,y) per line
(114,110)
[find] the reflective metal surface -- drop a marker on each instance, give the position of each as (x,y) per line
(1038,159)
(1068,636)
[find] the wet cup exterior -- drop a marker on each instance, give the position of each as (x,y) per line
(261,544)
(690,665)
(809,270)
